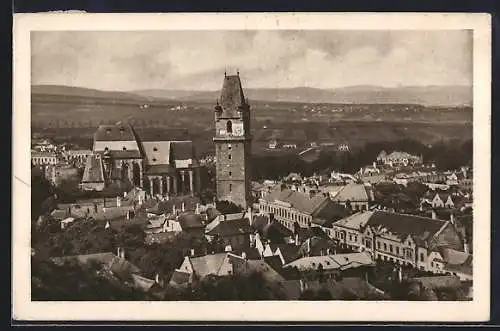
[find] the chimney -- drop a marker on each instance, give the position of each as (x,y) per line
(122,254)
(118,251)
(183,207)
(128,214)
(192,251)
(167,197)
(296,239)
(157,278)
(173,209)
(374,165)
(244,255)
(197,210)
(452,218)
(434,216)
(107,225)
(124,194)
(250,216)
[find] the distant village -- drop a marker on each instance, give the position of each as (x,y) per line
(397,229)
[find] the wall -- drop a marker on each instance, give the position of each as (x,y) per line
(232,169)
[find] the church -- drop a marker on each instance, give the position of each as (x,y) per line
(161,167)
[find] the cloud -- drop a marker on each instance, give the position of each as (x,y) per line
(196,59)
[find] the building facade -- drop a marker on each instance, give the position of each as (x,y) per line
(233,143)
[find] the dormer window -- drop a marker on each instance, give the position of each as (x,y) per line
(155,149)
(154,160)
(124,148)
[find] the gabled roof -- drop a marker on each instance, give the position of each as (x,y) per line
(157,152)
(288,251)
(328,213)
(182,150)
(179,278)
(93,172)
(231,228)
(352,192)
(420,228)
(300,201)
(208,264)
(117,132)
(337,261)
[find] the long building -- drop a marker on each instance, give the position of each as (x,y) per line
(401,238)
(162,167)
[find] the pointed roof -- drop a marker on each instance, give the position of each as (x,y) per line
(232,96)
(93,172)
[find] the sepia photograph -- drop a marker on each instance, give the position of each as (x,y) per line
(326,164)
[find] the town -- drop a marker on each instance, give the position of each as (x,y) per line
(138,217)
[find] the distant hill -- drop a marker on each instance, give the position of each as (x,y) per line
(81,92)
(430,96)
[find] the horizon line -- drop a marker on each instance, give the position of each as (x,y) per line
(258,88)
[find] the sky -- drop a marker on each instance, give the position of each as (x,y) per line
(196,60)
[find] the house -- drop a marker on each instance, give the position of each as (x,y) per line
(399,238)
(115,265)
(398,158)
(232,229)
(291,207)
(443,200)
(452,262)
(41,158)
(271,230)
(354,196)
(333,265)
(197,268)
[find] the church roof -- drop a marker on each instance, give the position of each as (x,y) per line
(93,170)
(182,150)
(116,132)
(232,95)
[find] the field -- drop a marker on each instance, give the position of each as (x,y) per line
(75,119)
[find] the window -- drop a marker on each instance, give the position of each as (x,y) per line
(154,160)
(124,148)
(421,257)
(155,149)
(390,248)
(229,127)
(230,187)
(229,156)
(397,250)
(385,246)
(378,244)
(229,146)
(230,173)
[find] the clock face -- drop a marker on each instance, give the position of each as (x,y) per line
(238,130)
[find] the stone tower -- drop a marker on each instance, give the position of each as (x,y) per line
(233,143)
